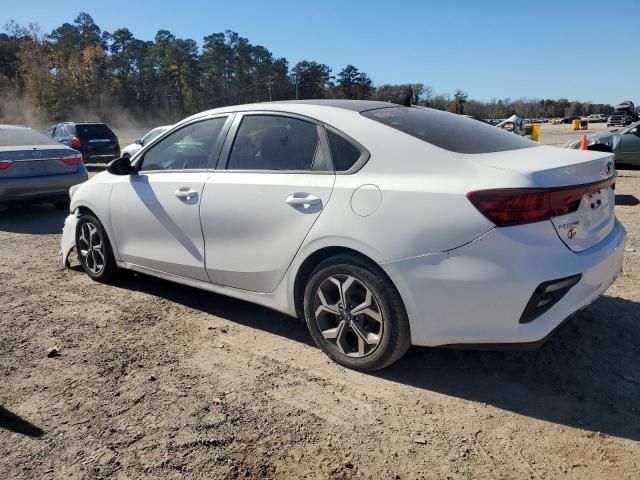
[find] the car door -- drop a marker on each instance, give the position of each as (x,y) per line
(155,213)
(629,149)
(273,182)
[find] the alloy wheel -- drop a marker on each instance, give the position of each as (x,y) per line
(348,315)
(91,247)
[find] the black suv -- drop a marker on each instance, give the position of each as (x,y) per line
(622,117)
(96,141)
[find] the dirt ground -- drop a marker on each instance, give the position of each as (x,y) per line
(157,380)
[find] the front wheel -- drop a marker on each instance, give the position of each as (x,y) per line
(355,314)
(94,250)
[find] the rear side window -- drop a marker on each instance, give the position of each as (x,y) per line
(19,138)
(59,131)
(94,130)
(270,142)
(343,153)
(452,132)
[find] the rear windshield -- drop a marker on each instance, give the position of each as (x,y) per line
(20,138)
(452,132)
(94,130)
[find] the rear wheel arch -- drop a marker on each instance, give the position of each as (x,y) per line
(307,267)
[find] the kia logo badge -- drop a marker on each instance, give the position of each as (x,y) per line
(609,168)
(37,154)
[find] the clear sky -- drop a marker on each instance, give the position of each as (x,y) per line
(582,50)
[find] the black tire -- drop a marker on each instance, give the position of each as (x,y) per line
(61,205)
(99,269)
(394,338)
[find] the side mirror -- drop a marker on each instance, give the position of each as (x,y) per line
(138,142)
(121,166)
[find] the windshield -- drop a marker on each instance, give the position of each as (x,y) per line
(152,134)
(452,132)
(23,137)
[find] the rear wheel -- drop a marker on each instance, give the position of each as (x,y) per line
(355,314)
(94,250)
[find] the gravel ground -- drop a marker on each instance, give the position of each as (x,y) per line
(156,380)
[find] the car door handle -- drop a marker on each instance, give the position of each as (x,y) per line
(298,199)
(185,193)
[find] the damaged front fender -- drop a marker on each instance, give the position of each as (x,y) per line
(68,241)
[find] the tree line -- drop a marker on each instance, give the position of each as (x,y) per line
(79,71)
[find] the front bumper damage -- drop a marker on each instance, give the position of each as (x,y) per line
(68,241)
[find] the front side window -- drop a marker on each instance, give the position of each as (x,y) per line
(189,148)
(271,142)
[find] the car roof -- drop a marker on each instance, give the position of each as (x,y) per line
(356,106)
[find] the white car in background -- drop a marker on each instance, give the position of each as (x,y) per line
(130,150)
(597,118)
(381,225)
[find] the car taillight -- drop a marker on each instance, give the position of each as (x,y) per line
(4,164)
(515,206)
(72,160)
(75,142)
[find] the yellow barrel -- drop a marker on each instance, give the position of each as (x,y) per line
(576,124)
(535,131)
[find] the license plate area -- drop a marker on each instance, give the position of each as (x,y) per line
(595,207)
(590,223)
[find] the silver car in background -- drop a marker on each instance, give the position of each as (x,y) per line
(35,168)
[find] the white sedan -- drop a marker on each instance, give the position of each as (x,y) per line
(135,147)
(381,225)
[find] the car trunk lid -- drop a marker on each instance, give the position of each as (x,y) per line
(584,180)
(37,161)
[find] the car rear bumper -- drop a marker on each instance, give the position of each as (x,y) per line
(476,294)
(39,188)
